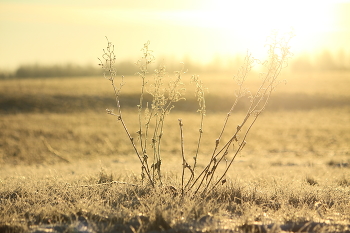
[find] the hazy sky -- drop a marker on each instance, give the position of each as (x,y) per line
(62,31)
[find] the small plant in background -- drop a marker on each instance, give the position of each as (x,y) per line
(166,92)
(311,181)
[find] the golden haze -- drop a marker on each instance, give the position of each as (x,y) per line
(62,31)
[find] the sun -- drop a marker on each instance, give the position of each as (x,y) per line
(254,20)
(250,22)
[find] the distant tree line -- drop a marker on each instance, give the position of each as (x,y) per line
(67,70)
(25,71)
(324,60)
(123,68)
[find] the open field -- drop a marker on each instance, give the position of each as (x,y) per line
(309,115)
(55,137)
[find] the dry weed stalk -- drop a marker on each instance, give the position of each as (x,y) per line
(151,118)
(107,63)
(278,56)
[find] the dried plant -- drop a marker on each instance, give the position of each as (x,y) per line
(278,56)
(165,94)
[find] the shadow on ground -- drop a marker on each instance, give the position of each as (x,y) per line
(70,103)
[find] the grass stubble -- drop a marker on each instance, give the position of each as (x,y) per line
(288,191)
(262,194)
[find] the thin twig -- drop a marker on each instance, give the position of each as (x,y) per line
(106,183)
(184,163)
(53,151)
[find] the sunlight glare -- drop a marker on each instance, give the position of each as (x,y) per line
(252,21)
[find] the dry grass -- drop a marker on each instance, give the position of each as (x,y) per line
(261,192)
(86,135)
(312,117)
(294,172)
